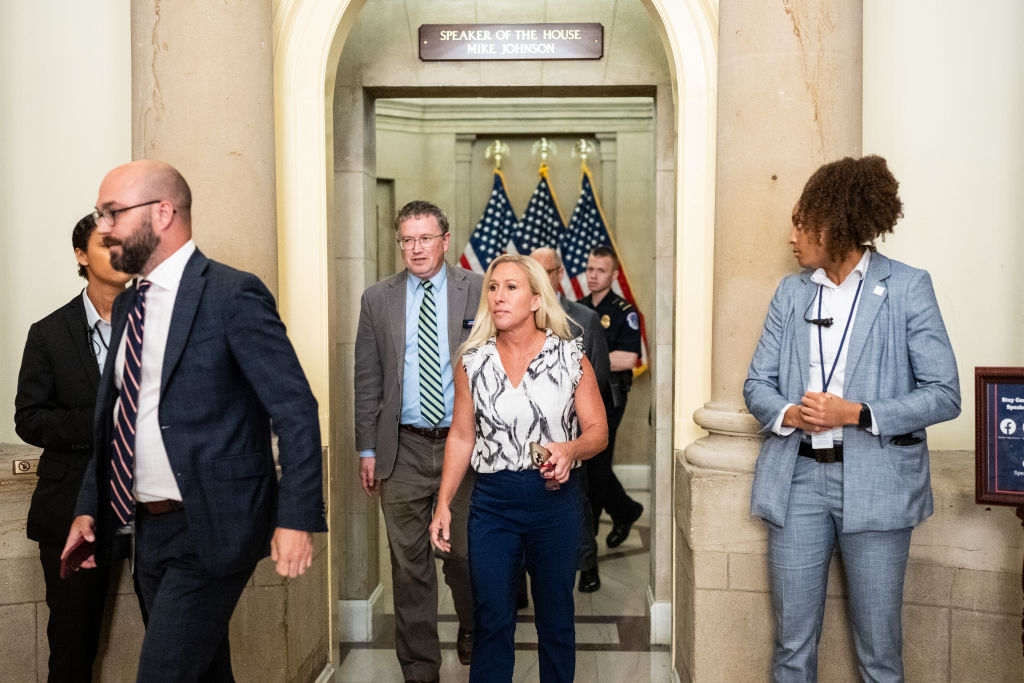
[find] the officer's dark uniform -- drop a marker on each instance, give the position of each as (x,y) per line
(621,323)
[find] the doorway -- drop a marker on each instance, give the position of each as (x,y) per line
(324,262)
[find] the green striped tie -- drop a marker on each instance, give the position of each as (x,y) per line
(431,395)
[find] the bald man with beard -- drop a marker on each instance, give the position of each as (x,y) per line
(183,451)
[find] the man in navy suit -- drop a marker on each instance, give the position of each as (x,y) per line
(217,374)
(852,366)
(60,370)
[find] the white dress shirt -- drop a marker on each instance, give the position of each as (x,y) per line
(837,302)
(99,331)
(154,479)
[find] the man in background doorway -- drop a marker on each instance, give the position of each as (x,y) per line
(410,326)
(60,372)
(201,372)
(582,321)
(621,324)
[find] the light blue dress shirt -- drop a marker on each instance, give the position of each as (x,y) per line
(411,373)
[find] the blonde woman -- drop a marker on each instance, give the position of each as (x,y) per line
(521,380)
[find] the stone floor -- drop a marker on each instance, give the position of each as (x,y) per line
(611,625)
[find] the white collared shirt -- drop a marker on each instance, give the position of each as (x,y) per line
(837,302)
(99,330)
(154,479)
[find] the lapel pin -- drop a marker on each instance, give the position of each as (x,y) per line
(879,290)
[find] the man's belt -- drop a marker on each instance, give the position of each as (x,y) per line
(161,507)
(434,434)
(834,454)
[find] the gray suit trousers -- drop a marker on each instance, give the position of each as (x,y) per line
(408,498)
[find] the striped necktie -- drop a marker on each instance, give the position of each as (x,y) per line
(122,466)
(431,395)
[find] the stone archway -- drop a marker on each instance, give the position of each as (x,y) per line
(308,39)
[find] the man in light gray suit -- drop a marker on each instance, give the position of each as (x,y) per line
(410,326)
(852,366)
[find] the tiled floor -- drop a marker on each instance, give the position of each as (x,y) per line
(611,625)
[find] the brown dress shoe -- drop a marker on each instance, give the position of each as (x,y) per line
(464,645)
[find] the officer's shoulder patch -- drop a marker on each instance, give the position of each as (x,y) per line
(634,320)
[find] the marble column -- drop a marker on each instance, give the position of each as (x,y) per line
(789,99)
(203,100)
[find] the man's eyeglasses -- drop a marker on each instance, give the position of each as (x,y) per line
(409,243)
(110,215)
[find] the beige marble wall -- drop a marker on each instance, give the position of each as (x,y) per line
(202,100)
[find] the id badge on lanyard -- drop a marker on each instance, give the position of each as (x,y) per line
(824,439)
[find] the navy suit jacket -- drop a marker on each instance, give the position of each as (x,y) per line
(53,410)
(229,376)
(899,361)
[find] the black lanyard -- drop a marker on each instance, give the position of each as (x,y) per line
(821,347)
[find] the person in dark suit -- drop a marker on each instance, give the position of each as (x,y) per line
(197,475)
(402,420)
(60,371)
(852,366)
(583,322)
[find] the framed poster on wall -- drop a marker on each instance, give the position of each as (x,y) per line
(999,435)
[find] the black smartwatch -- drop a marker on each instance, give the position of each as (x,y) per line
(864,422)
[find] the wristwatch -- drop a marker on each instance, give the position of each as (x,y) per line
(864,422)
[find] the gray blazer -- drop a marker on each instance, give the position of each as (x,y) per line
(899,361)
(380,356)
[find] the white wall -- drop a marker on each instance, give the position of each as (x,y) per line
(65,75)
(944,103)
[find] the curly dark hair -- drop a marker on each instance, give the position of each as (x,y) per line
(854,200)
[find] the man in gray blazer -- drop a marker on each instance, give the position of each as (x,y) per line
(410,326)
(852,366)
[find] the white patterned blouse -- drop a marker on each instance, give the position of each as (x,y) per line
(542,408)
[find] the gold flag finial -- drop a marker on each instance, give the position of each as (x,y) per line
(545,148)
(582,149)
(498,150)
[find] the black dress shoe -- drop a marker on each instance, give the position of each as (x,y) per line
(590,580)
(620,530)
(522,601)
(464,645)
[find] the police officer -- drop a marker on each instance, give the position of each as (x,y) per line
(621,323)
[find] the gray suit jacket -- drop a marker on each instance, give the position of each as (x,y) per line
(380,356)
(899,361)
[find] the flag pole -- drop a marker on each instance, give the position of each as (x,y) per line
(583,149)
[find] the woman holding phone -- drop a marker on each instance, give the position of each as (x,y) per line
(524,393)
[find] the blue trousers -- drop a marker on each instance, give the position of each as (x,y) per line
(512,517)
(798,559)
(189,609)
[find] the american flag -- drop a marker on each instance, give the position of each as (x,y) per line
(542,224)
(588,229)
(493,234)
